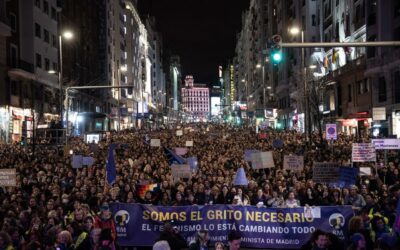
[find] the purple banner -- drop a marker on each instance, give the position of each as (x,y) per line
(280,228)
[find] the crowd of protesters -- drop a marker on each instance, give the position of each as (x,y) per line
(56,206)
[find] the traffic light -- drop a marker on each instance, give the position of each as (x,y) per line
(276,49)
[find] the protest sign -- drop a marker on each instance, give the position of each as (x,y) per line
(179,133)
(87,161)
(365,171)
(260,160)
(8,177)
(265,228)
(347,177)
(248,153)
(192,161)
(189,144)
(326,172)
(386,143)
(293,162)
(155,142)
(363,152)
(77,161)
(181,151)
(330,132)
(181,171)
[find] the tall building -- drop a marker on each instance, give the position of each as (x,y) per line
(31,93)
(5,31)
(383,64)
(174,83)
(196,99)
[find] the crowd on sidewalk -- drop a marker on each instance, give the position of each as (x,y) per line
(55,205)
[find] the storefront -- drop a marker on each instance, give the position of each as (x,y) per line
(4,125)
(396,123)
(18,119)
(355,126)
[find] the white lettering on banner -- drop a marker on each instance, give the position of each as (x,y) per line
(386,143)
(363,152)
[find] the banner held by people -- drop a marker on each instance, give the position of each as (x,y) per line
(283,228)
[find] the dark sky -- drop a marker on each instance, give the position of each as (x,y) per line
(201,32)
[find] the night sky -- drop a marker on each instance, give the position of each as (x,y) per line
(201,32)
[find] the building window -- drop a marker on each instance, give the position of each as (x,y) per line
(46,64)
(38,32)
(382,89)
(349,93)
(53,14)
(46,7)
(46,36)
(37,3)
(55,66)
(38,60)
(13,56)
(54,41)
(13,22)
(396,83)
(363,86)
(313,20)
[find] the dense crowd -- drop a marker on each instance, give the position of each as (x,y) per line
(56,206)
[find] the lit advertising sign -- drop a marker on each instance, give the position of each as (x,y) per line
(215,105)
(142,107)
(232,83)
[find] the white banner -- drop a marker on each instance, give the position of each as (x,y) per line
(386,143)
(261,160)
(330,132)
(363,152)
(155,142)
(8,177)
(179,133)
(181,171)
(293,162)
(189,144)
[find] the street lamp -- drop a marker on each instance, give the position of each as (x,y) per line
(307,128)
(66,35)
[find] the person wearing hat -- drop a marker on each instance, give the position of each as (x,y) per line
(104,220)
(201,242)
(393,239)
(357,242)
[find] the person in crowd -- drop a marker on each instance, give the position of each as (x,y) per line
(291,201)
(219,246)
(172,236)
(234,240)
(161,245)
(357,242)
(201,242)
(105,221)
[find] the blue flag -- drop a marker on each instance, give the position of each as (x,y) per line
(173,158)
(192,161)
(110,167)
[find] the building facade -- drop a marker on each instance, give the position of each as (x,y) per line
(195,99)
(31,93)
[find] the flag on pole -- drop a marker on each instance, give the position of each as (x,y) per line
(172,157)
(110,166)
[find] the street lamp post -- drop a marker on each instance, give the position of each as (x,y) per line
(67,35)
(307,127)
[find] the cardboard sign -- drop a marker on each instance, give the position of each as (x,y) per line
(365,171)
(181,171)
(248,154)
(293,162)
(87,161)
(189,144)
(155,143)
(363,152)
(330,132)
(8,177)
(262,160)
(179,133)
(181,151)
(77,161)
(386,143)
(326,172)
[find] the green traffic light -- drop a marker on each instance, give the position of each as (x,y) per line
(277,57)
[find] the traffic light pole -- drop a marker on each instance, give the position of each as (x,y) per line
(347,44)
(66,101)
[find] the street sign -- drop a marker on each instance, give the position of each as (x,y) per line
(379,114)
(331,133)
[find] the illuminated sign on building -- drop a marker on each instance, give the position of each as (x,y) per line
(215,105)
(232,83)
